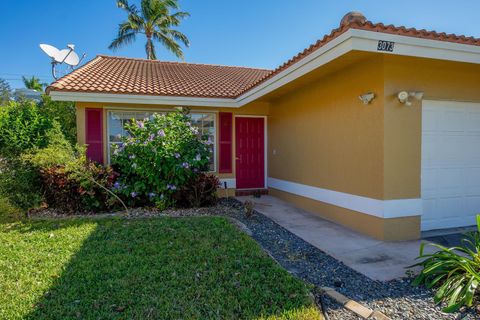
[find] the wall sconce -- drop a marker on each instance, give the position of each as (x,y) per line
(366,98)
(404,97)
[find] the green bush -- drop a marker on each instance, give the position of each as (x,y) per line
(68,180)
(158,158)
(20,180)
(59,151)
(25,123)
(455,272)
(31,138)
(82,189)
(200,191)
(22,128)
(20,183)
(63,113)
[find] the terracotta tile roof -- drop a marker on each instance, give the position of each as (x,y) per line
(106,74)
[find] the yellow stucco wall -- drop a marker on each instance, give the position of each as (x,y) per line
(322,135)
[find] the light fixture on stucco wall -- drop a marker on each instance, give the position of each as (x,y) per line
(366,98)
(404,97)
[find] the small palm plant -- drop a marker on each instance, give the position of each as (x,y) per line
(454,271)
(156,22)
(33,83)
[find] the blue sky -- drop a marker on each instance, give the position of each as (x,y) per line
(256,33)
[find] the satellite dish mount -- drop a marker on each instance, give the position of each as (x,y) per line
(62,57)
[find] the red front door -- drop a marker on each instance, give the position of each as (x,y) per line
(250,152)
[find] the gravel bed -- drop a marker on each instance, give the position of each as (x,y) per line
(397,299)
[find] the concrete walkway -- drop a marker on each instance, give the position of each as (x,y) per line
(376,259)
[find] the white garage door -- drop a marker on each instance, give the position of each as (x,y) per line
(450,164)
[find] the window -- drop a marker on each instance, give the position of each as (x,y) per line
(205,122)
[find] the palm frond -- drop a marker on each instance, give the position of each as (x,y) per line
(178,36)
(123,40)
(178,16)
(146,9)
(169,43)
(173,4)
(123,4)
(33,83)
(128,27)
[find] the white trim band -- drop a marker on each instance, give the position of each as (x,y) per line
(374,207)
(142,99)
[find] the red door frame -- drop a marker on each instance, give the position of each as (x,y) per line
(250,170)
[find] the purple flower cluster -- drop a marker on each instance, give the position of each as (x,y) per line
(140,124)
(185,165)
(161,133)
(117,186)
(208,142)
(171,187)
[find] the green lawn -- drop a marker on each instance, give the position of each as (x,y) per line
(159,268)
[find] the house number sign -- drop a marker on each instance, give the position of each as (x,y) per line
(385,46)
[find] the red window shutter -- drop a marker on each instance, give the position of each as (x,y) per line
(94,134)
(225,142)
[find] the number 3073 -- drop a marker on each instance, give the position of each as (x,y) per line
(385,46)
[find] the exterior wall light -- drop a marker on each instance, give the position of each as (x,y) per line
(366,98)
(404,97)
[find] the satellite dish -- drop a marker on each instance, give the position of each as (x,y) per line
(67,56)
(62,54)
(51,51)
(72,59)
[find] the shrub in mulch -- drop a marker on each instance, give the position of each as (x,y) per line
(200,191)
(73,191)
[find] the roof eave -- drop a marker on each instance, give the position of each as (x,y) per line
(142,99)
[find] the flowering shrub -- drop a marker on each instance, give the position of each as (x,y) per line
(159,157)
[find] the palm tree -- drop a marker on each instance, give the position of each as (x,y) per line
(155,21)
(33,83)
